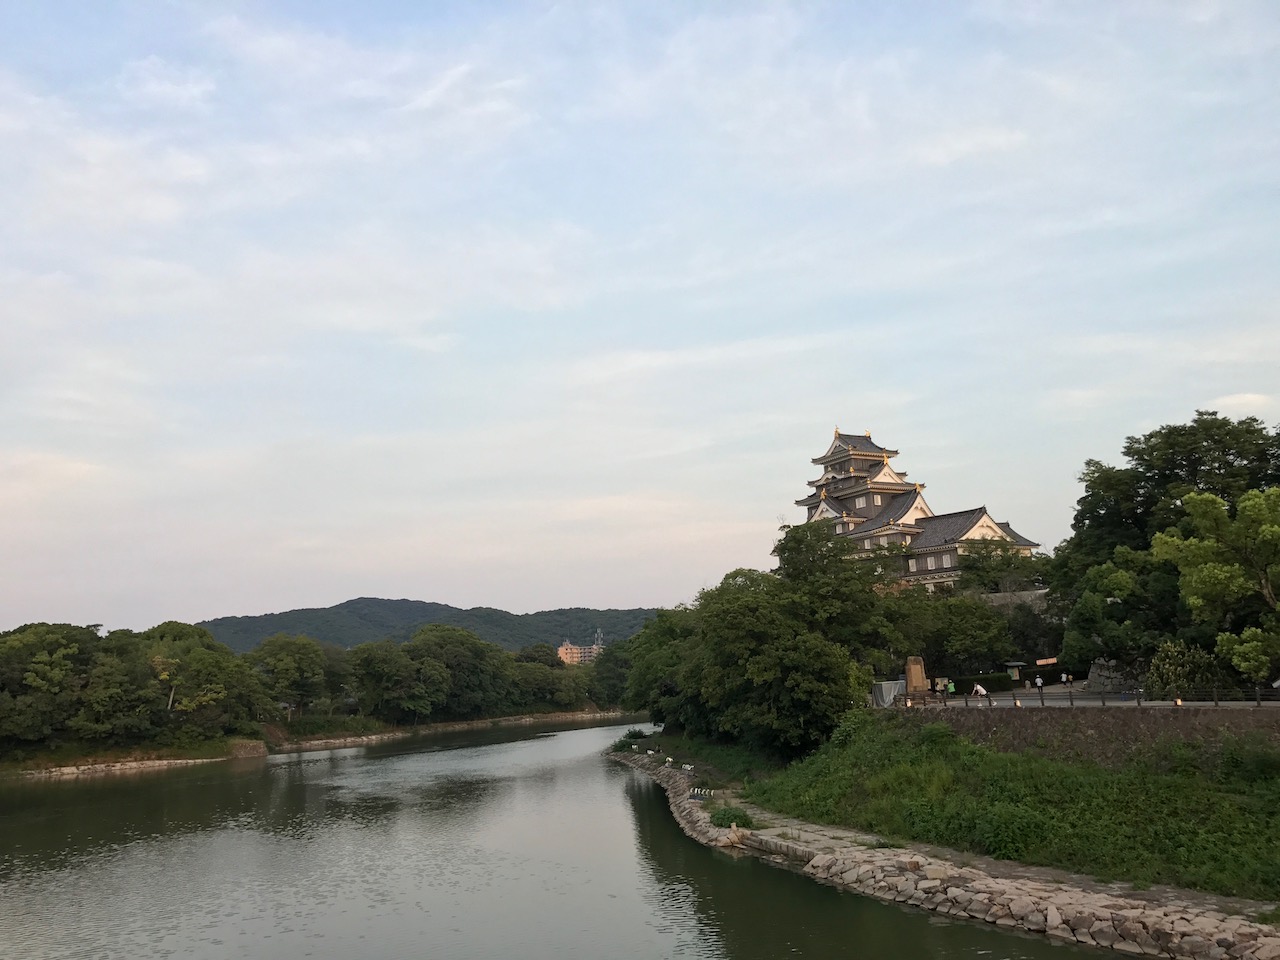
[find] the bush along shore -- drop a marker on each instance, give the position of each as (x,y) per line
(1168,923)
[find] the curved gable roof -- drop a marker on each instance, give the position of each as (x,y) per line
(946,528)
(847,443)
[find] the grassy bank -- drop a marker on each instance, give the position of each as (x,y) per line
(315,728)
(1204,818)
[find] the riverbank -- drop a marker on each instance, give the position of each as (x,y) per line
(427,729)
(1157,922)
(91,767)
(257,748)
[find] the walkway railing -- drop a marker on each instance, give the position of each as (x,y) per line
(1060,695)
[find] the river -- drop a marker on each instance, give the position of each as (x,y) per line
(513,843)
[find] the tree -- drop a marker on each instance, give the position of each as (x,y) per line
(992,566)
(117,702)
(1230,574)
(292,670)
(43,668)
(975,636)
(542,653)
(830,588)
(1120,601)
(481,675)
(383,677)
(607,680)
(392,685)
(1181,670)
(1127,506)
(653,682)
(763,677)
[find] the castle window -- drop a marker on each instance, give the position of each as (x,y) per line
(876,499)
(911,564)
(860,502)
(931,562)
(946,559)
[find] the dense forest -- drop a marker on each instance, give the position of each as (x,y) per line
(368,618)
(75,689)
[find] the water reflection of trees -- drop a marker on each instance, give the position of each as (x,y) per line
(753,909)
(53,824)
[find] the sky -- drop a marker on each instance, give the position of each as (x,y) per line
(534,305)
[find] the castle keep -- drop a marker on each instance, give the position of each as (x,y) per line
(878,507)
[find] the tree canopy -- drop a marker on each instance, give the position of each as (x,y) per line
(1229,564)
(1121,600)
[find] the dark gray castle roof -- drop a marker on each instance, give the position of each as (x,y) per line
(945,528)
(858,444)
(949,528)
(893,511)
(1018,538)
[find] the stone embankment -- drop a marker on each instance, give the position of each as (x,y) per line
(235,749)
(1183,925)
(119,766)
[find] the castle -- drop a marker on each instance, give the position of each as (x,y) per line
(878,507)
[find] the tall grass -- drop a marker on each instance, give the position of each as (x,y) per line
(1187,816)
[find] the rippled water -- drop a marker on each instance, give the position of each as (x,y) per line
(518,844)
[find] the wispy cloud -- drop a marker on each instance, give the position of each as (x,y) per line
(152,81)
(613,367)
(1246,405)
(306,292)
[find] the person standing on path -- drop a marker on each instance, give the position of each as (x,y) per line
(1064,678)
(1039,683)
(980,691)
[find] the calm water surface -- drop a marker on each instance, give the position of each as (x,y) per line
(488,845)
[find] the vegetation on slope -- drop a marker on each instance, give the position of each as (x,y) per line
(368,619)
(1191,817)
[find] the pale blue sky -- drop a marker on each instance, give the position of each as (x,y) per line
(539,305)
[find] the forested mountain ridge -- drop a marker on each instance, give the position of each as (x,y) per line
(369,618)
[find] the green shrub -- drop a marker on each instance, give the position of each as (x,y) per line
(728,816)
(335,726)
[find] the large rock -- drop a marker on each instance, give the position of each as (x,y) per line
(1104,933)
(1022,907)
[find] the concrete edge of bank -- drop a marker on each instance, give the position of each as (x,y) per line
(1055,910)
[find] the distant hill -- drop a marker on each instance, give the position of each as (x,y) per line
(368,618)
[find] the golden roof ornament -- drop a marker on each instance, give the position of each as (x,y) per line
(837,430)
(823,495)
